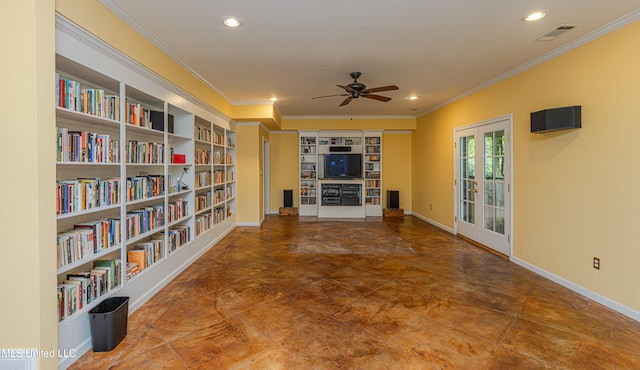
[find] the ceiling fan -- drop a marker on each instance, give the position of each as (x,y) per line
(357,89)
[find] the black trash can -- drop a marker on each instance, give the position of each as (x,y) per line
(108,322)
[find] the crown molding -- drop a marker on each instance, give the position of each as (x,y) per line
(133,23)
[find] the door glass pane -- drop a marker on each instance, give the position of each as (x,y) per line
(463,168)
(499,171)
(488,218)
(499,221)
(499,143)
(488,168)
(488,144)
(499,194)
(494,197)
(466,176)
(489,194)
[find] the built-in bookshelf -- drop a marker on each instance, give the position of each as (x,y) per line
(308,174)
(373,174)
(145,182)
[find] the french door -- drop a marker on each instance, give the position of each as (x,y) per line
(483,183)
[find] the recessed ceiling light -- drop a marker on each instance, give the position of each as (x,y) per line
(232,22)
(274,99)
(534,16)
(412,97)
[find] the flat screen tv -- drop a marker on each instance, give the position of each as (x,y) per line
(343,166)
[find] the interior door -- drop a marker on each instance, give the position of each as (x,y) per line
(483,184)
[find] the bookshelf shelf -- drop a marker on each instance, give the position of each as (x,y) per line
(88,211)
(137,238)
(180,220)
(73,265)
(87,119)
(118,132)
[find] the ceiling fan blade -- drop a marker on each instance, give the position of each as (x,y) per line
(346,88)
(346,101)
(377,97)
(327,96)
(383,88)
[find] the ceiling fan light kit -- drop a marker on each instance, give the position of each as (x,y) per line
(357,89)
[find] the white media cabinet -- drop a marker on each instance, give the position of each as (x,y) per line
(326,197)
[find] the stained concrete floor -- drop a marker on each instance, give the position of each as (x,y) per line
(250,303)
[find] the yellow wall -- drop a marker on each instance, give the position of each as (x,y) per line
(574,191)
(27,317)
(396,167)
(283,167)
(248,164)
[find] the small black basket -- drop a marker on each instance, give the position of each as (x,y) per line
(108,322)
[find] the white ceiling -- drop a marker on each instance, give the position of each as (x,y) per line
(299,49)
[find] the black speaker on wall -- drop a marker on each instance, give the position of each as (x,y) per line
(288,198)
(556,119)
(393,199)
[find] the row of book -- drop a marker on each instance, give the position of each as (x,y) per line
(219,139)
(372,158)
(145,152)
(79,97)
(203,179)
(86,147)
(372,166)
(145,254)
(137,115)
(229,192)
(307,192)
(203,201)
(375,201)
(221,158)
(178,236)
(202,156)
(372,140)
(203,223)
(142,187)
(87,239)
(372,175)
(309,200)
(202,134)
(219,215)
(372,192)
(219,196)
(372,183)
(177,209)
(81,288)
(372,149)
(144,220)
(84,194)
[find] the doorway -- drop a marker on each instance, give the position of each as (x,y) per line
(482,179)
(265,176)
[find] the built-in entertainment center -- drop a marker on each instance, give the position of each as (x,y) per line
(340,173)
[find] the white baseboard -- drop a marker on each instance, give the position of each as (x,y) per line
(249,223)
(432,222)
(607,302)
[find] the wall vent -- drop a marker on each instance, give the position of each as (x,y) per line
(551,35)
